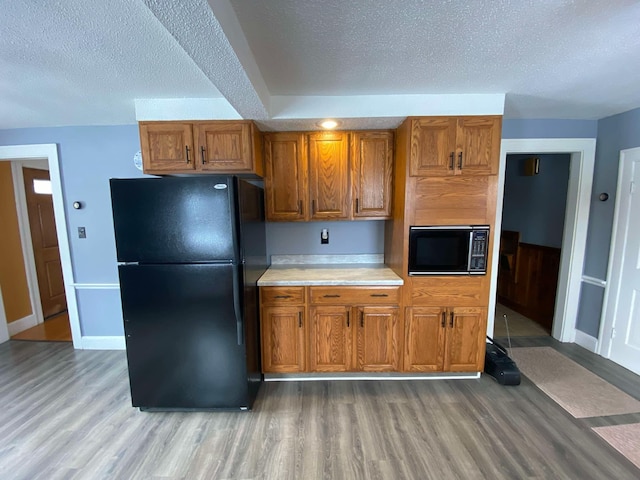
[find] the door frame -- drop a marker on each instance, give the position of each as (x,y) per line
(614,268)
(576,221)
(48,152)
(26,242)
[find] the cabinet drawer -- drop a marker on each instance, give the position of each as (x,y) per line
(472,290)
(354,295)
(282,295)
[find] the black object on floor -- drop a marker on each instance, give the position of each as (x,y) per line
(499,365)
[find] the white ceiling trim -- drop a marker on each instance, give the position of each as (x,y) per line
(184,109)
(316,107)
(359,106)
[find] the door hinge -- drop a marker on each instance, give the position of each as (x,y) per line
(613,333)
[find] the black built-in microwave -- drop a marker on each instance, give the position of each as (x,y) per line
(448,250)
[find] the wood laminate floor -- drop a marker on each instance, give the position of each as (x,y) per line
(66,414)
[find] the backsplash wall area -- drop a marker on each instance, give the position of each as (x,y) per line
(303,238)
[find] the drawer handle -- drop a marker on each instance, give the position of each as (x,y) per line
(361,319)
(460,161)
(299,319)
(451,319)
(331,296)
(451,156)
(379,295)
(202,155)
(186,148)
(348,319)
(444,319)
(282,296)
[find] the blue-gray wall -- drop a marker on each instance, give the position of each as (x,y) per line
(535,205)
(615,133)
(549,128)
(89,156)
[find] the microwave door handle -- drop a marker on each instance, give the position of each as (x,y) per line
(470,251)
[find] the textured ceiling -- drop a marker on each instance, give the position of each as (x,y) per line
(84,62)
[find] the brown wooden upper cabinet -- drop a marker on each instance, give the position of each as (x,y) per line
(286,176)
(372,155)
(201,147)
(443,146)
(328,175)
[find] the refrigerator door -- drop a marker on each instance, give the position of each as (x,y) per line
(185,338)
(175,219)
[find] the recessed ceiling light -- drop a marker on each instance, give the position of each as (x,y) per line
(328,124)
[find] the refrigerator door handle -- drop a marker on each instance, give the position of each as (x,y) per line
(236,306)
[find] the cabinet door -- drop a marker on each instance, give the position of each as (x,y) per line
(283,339)
(372,155)
(424,339)
(285,178)
(478,145)
(377,339)
(330,339)
(433,144)
(329,186)
(466,332)
(224,147)
(167,147)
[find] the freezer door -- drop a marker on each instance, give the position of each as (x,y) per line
(175,219)
(184,336)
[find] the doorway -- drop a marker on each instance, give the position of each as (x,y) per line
(46,255)
(574,237)
(535,197)
(32,154)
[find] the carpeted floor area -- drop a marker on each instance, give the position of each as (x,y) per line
(573,387)
(624,438)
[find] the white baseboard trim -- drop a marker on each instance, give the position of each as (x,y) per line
(586,341)
(22,324)
(103,343)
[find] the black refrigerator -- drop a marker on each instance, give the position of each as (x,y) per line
(190,251)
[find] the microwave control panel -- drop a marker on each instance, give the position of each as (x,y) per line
(478,251)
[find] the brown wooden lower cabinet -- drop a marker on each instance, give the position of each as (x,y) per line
(344,338)
(332,329)
(283,339)
(449,339)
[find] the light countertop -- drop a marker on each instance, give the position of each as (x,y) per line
(321,273)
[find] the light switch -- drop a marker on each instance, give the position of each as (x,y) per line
(324,236)
(82,232)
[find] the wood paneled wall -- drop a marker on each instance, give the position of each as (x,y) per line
(530,287)
(13,278)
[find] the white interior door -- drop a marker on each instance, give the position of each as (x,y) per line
(625,333)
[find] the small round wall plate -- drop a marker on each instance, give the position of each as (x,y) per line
(137,160)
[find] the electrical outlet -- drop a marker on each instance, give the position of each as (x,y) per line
(82,232)
(324,236)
